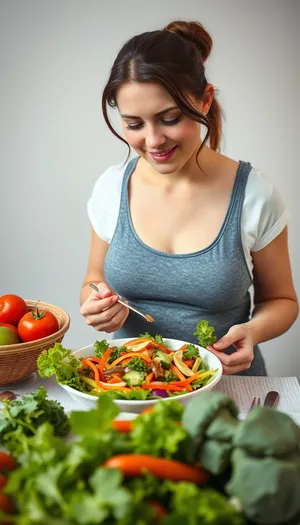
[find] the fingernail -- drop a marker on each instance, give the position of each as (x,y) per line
(219,344)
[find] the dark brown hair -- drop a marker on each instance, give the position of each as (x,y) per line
(174,58)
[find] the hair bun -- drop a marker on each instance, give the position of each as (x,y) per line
(195,32)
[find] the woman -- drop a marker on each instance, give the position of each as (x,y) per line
(181,231)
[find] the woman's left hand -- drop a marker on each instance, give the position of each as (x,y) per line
(240,337)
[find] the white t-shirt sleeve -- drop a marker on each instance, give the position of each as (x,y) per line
(104,203)
(264,214)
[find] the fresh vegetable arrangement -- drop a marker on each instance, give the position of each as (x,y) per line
(143,368)
(18,324)
(151,470)
(108,476)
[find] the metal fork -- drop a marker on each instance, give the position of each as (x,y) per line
(148,317)
(255,403)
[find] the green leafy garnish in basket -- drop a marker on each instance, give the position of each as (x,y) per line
(205,334)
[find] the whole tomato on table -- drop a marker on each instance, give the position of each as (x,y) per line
(37,324)
(12,308)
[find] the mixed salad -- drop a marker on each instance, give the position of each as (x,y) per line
(143,368)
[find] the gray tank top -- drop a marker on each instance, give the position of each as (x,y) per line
(180,290)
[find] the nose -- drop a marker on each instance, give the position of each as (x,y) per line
(154,138)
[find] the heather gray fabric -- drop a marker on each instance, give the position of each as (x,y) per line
(180,290)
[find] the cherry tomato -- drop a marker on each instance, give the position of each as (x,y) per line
(37,324)
(6,504)
(3,480)
(7,462)
(12,308)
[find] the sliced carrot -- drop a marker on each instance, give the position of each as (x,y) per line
(183,348)
(114,380)
(89,363)
(104,359)
(181,377)
(95,359)
(187,381)
(129,354)
(122,425)
(101,384)
(162,347)
(149,377)
(147,410)
(133,465)
(177,372)
(137,341)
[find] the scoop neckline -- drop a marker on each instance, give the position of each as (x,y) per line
(131,167)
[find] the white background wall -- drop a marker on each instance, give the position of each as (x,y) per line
(54,60)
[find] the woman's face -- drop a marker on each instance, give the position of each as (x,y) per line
(155,127)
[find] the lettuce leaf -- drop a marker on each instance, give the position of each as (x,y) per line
(205,334)
(63,364)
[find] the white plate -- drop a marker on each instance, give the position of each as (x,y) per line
(87,401)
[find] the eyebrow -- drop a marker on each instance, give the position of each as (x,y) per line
(156,114)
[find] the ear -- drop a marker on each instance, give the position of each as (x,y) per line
(207,98)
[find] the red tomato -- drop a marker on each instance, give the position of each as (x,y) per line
(7,462)
(12,308)
(37,324)
(6,504)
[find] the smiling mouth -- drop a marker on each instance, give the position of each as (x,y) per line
(162,153)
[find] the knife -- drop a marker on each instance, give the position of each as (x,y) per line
(271,399)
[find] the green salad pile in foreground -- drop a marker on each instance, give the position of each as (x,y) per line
(143,368)
(197,465)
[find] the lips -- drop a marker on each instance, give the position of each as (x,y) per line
(161,156)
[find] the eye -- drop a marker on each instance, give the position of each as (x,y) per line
(171,122)
(134,126)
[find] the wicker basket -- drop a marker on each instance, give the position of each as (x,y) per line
(18,361)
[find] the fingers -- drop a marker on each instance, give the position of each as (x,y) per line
(102,310)
(235,333)
(103,316)
(238,358)
(239,336)
(115,323)
(95,305)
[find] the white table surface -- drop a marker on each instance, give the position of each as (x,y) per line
(241,389)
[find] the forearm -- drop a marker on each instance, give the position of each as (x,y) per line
(272,318)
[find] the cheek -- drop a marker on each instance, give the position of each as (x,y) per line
(189,132)
(134,138)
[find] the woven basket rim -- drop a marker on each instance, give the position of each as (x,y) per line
(39,343)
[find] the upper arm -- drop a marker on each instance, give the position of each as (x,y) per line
(95,268)
(272,273)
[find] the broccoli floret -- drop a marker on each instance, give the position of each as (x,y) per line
(137,364)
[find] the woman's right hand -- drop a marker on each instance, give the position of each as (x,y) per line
(102,311)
